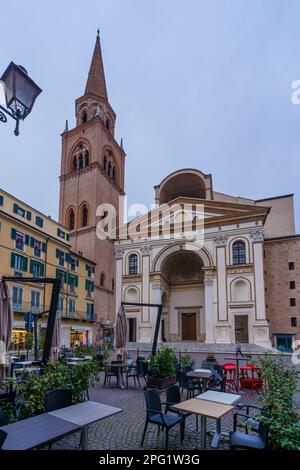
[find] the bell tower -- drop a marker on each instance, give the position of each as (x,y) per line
(92,174)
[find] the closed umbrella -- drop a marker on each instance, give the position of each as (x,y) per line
(55,348)
(6,323)
(121,330)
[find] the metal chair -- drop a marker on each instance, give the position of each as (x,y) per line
(173,397)
(111,371)
(186,383)
(136,371)
(3,435)
(58,398)
(156,416)
(243,440)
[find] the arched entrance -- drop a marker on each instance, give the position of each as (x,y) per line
(183,299)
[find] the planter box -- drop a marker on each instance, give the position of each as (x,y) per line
(161,382)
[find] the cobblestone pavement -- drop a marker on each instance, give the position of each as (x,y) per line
(124,430)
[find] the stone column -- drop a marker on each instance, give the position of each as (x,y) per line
(119,254)
(145,251)
(208,309)
(257,239)
(221,242)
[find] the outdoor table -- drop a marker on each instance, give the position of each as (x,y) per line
(36,432)
(120,366)
(205,409)
(23,363)
(74,359)
(237,359)
(219,397)
(203,374)
(84,414)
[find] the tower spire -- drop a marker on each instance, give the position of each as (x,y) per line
(96,79)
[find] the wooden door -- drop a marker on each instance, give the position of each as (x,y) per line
(241,328)
(189,327)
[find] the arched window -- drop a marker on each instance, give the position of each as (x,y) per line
(84,216)
(80,161)
(84,117)
(74,163)
(102,279)
(133,264)
(105,164)
(114,173)
(71,220)
(109,169)
(238,252)
(86,159)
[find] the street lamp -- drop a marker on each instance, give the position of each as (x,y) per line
(20,94)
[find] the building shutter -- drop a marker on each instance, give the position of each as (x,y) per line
(31,266)
(12,260)
(77,262)
(27,240)
(76,281)
(42,269)
(16,208)
(13,233)
(1,200)
(32,240)
(24,263)
(28,215)
(43,247)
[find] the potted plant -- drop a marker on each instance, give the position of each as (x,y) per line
(161,368)
(184,363)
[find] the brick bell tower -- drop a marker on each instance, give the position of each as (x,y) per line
(92,174)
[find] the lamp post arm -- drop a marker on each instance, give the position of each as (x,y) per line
(16,118)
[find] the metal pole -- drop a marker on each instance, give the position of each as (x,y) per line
(51,320)
(154,346)
(36,346)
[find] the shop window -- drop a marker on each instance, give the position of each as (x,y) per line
(284,342)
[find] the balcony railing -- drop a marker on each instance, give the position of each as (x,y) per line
(77,315)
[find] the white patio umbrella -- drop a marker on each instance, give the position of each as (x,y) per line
(6,322)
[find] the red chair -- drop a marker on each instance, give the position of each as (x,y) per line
(251,378)
(230,377)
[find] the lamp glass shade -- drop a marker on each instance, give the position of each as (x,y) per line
(20,90)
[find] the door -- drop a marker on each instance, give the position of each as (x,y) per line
(188,326)
(132,330)
(241,328)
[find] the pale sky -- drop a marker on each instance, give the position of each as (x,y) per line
(194,83)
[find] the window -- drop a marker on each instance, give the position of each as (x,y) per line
(37,248)
(74,165)
(114,173)
(60,305)
(20,240)
(73,264)
(84,117)
(61,233)
(86,159)
(19,262)
(62,275)
(90,312)
(292,302)
(284,342)
(109,169)
(80,161)
(102,279)
(72,307)
(61,260)
(105,164)
(84,216)
(36,268)
(73,282)
(19,210)
(1,200)
(133,264)
(238,253)
(89,270)
(291,265)
(35,301)
(89,286)
(17,298)
(294,321)
(292,284)
(39,221)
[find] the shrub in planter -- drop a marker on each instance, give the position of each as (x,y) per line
(279,400)
(161,369)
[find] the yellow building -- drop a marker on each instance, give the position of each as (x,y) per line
(32,244)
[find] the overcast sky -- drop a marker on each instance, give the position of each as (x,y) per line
(194,83)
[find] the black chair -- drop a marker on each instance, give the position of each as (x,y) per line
(251,411)
(3,435)
(186,383)
(241,440)
(111,371)
(58,398)
(173,397)
(156,416)
(217,381)
(136,371)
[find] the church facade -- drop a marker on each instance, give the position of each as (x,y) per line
(212,288)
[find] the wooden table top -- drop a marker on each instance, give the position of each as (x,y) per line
(37,431)
(85,413)
(204,407)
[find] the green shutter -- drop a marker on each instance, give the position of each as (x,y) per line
(92,285)
(13,233)
(42,269)
(12,260)
(31,266)
(76,281)
(25,264)
(27,240)
(86,284)
(32,240)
